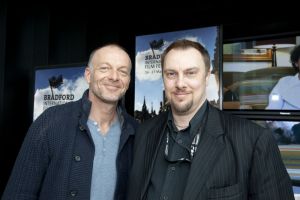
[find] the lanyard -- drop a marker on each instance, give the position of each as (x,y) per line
(194,145)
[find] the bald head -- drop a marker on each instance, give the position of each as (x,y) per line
(107,49)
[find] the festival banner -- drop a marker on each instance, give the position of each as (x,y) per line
(149,90)
(56,86)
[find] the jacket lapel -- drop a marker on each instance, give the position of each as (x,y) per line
(209,150)
(153,141)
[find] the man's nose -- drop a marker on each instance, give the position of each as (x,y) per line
(114,74)
(180,81)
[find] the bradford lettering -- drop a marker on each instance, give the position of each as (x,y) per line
(59,97)
(150,57)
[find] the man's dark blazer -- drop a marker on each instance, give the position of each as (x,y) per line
(235,159)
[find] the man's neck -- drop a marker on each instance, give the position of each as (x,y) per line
(103,113)
(182,120)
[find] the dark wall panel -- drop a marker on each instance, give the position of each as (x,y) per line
(26,45)
(42,35)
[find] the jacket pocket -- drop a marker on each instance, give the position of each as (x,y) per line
(231,192)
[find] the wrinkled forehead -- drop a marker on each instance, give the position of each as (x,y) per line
(111,54)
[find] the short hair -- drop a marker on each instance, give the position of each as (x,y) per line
(295,56)
(106,45)
(186,44)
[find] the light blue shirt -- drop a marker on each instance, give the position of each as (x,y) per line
(285,94)
(104,175)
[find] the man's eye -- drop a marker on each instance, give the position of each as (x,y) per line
(103,69)
(171,75)
(191,73)
(123,73)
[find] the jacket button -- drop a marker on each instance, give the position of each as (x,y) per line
(81,128)
(77,158)
(163,197)
(73,193)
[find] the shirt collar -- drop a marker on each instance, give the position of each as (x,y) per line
(86,107)
(193,124)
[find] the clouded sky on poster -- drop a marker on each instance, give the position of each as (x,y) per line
(148,79)
(71,89)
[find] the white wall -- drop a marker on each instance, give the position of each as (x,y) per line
(283,57)
(244,66)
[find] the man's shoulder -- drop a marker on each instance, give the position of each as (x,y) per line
(62,111)
(131,120)
(53,120)
(241,128)
(157,120)
(150,126)
(285,80)
(234,122)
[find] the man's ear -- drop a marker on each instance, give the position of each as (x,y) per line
(207,78)
(87,74)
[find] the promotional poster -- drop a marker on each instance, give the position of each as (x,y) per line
(149,90)
(57,86)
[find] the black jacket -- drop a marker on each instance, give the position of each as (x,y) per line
(236,159)
(56,158)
